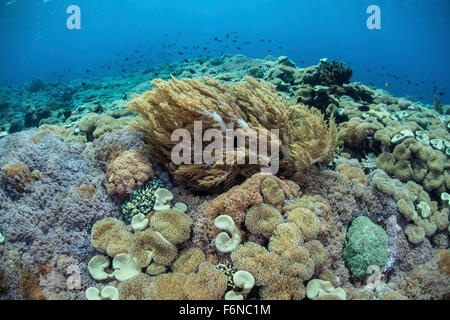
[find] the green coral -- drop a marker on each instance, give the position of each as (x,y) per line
(367,245)
(141,200)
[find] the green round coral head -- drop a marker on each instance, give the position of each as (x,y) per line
(367,245)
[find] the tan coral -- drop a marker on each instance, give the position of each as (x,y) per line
(283,287)
(109,235)
(96,124)
(174,225)
(129,170)
(207,284)
(285,236)
(188,260)
(263,219)
(136,288)
(235,203)
(169,286)
(354,174)
(316,251)
(356,131)
(254,258)
(297,262)
(154,269)
(18,175)
(162,251)
(306,220)
(272,192)
(305,137)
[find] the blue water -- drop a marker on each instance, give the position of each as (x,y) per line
(413,41)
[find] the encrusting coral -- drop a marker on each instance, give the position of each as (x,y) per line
(304,136)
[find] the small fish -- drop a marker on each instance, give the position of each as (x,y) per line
(387,84)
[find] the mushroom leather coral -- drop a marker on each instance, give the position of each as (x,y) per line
(304,136)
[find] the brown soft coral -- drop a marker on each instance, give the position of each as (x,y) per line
(357,131)
(138,287)
(305,137)
(127,172)
(235,203)
(109,235)
(18,175)
(169,286)
(284,287)
(207,284)
(254,258)
(263,219)
(163,252)
(174,225)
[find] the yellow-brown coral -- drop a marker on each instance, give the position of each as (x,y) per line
(263,219)
(127,172)
(136,288)
(163,252)
(174,225)
(254,258)
(304,135)
(169,286)
(283,287)
(188,260)
(207,284)
(306,220)
(109,235)
(18,175)
(272,192)
(285,236)
(297,262)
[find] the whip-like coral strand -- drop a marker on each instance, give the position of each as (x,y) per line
(303,137)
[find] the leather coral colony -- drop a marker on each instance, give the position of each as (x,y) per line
(304,136)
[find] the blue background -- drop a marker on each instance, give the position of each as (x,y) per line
(413,41)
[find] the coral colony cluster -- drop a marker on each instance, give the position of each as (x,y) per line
(93,204)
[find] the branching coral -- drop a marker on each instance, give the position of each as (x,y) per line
(305,137)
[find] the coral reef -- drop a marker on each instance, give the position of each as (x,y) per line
(92,206)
